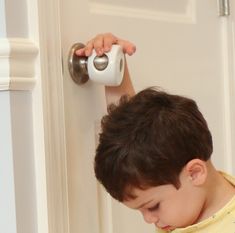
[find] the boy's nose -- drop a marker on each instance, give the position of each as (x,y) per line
(150,217)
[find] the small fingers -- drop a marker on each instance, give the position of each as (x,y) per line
(80,52)
(127,46)
(103,43)
(98,44)
(86,51)
(109,40)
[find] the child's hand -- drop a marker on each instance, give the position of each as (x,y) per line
(103,42)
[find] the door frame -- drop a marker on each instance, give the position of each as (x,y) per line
(227,60)
(53,117)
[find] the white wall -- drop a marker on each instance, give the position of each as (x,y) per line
(16,18)
(2,19)
(7,187)
(17,178)
(23,161)
(18,200)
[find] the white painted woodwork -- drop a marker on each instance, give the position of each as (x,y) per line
(17,62)
(51,163)
(4,63)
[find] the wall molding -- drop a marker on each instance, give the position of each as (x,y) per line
(188,17)
(4,64)
(17,62)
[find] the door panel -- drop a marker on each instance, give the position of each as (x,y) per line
(179,48)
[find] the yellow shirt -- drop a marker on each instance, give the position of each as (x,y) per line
(221,222)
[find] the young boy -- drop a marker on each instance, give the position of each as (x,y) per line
(154,156)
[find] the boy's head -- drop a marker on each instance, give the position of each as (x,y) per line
(147,140)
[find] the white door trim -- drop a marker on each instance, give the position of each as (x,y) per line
(53,108)
(17,62)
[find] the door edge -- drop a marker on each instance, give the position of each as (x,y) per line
(53,110)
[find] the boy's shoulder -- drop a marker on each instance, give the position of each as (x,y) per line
(228,177)
(222,221)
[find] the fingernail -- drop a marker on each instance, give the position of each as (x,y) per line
(77,52)
(106,49)
(99,52)
(87,53)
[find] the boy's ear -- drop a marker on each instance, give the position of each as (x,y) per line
(196,170)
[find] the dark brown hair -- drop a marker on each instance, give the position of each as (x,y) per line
(147,139)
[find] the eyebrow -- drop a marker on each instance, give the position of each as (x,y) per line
(142,205)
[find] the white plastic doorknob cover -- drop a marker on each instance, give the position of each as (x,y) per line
(107,69)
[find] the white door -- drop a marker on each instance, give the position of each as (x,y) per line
(181,47)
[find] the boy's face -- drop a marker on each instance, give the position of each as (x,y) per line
(167,207)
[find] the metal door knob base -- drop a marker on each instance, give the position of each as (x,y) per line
(77,65)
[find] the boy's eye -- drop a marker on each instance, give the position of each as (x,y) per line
(154,207)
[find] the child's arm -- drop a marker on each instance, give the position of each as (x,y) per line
(114,93)
(102,43)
